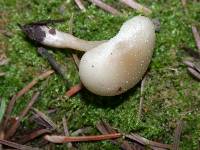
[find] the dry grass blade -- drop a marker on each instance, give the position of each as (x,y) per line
(66,131)
(74,56)
(64,139)
(197,66)
(189,63)
(14,126)
(141,98)
(16,146)
(76,60)
(194,72)
(146,142)
(104,127)
(33,135)
(80,5)
(137,6)
(81,131)
(191,52)
(74,90)
(3,59)
(105,7)
(39,121)
(2,74)
(22,92)
(196,36)
(184,2)
(45,118)
(131,146)
(6,33)
(177,135)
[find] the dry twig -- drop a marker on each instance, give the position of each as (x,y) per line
(146,142)
(74,90)
(177,135)
(6,33)
(33,135)
(22,92)
(17,146)
(14,126)
(194,54)
(81,131)
(137,6)
(2,74)
(66,131)
(194,72)
(80,5)
(64,139)
(105,7)
(193,68)
(45,118)
(105,128)
(76,60)
(74,56)
(3,59)
(184,2)
(196,36)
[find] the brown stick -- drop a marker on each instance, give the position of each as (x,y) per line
(22,92)
(17,146)
(147,142)
(64,139)
(177,135)
(80,5)
(137,6)
(196,36)
(33,135)
(14,126)
(74,90)
(105,7)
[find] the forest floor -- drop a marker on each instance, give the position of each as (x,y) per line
(170,93)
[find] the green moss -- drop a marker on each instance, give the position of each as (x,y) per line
(170,93)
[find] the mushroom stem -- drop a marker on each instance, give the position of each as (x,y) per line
(54,38)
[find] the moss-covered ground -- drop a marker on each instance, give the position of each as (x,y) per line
(170,92)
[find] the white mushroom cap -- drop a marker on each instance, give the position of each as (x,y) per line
(117,65)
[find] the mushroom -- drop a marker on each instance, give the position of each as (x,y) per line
(111,67)
(54,38)
(120,63)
